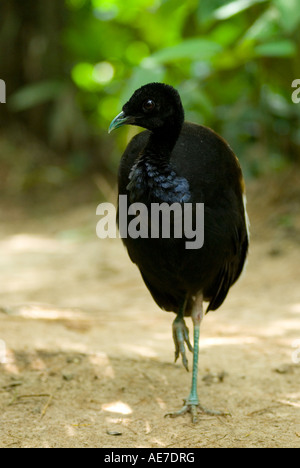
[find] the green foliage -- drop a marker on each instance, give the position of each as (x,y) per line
(35,94)
(232,61)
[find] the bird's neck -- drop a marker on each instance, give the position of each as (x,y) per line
(161,143)
(153,178)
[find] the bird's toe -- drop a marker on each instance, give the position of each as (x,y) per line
(195,409)
(187,408)
(181,337)
(211,412)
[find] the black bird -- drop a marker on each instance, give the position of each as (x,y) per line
(179,162)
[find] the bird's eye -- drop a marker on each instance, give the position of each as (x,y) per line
(148,105)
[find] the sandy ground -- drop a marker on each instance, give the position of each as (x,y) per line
(88,358)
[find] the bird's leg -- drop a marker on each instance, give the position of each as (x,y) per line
(181,336)
(191,404)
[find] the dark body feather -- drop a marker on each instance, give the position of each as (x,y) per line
(201,169)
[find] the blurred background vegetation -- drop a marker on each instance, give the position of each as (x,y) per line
(69,66)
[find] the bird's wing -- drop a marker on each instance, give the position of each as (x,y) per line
(230,272)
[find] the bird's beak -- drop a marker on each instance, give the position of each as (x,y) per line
(120,120)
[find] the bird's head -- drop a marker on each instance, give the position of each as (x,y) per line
(154,106)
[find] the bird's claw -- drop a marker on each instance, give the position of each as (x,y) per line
(194,409)
(180,337)
(187,408)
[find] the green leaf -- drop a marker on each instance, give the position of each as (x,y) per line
(227,33)
(206,10)
(265,27)
(35,94)
(235,7)
(283,48)
(289,13)
(192,49)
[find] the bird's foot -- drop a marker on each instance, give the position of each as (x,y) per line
(187,408)
(180,337)
(195,408)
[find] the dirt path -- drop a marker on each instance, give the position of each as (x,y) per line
(89,356)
